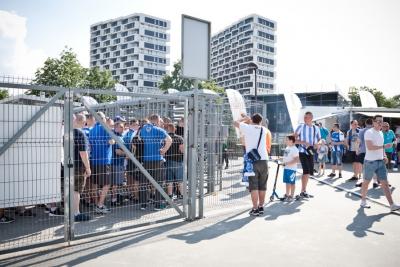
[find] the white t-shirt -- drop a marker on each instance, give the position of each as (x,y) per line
(291,152)
(377,139)
(251,135)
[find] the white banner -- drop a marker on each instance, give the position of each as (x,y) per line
(237,105)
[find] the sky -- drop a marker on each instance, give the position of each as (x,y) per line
(321,45)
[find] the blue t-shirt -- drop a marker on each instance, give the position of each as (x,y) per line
(117,160)
(153,138)
(128,138)
(337,137)
(324,133)
(389,137)
(100,149)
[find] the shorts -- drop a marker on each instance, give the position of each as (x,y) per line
(117,174)
(289,176)
(361,157)
(352,156)
(259,181)
(101,175)
(337,158)
(375,166)
(307,163)
(79,180)
(174,171)
(156,170)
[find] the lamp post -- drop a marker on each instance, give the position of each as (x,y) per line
(253,67)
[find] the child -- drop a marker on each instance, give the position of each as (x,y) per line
(323,150)
(290,159)
(337,146)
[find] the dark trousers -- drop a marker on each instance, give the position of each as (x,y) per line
(225,158)
(156,170)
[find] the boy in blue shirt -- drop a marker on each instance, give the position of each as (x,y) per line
(337,146)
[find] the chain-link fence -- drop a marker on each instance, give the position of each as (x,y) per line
(71,167)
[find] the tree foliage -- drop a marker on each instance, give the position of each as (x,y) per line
(3,94)
(66,71)
(176,81)
(381,100)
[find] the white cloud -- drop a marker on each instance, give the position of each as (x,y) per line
(17,58)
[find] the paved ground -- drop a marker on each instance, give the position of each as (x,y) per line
(328,230)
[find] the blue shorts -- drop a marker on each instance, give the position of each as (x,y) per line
(289,176)
(117,174)
(337,158)
(375,166)
(174,171)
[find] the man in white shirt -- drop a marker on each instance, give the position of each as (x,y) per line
(375,162)
(255,138)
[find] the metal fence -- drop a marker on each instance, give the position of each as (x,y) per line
(45,187)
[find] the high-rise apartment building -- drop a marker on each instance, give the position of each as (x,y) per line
(134,48)
(251,39)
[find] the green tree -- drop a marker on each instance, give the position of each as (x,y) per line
(3,94)
(175,80)
(381,100)
(66,71)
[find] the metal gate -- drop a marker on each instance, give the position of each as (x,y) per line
(38,174)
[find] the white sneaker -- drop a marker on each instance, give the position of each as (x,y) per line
(365,205)
(394,207)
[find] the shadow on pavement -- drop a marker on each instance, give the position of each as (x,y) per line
(362,223)
(79,253)
(280,209)
(220,228)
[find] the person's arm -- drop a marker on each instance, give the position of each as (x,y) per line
(85,159)
(244,118)
(370,145)
(297,136)
(167,144)
(181,148)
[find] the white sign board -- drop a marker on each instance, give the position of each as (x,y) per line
(237,105)
(195,48)
(30,170)
(293,105)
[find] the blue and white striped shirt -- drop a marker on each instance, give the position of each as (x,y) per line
(310,134)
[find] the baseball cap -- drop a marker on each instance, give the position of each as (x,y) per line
(119,118)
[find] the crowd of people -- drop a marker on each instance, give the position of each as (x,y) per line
(372,151)
(102,168)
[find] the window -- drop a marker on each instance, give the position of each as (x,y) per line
(123,34)
(266,35)
(148,45)
(266,23)
(104,26)
(149,33)
(148,71)
(124,46)
(123,59)
(129,64)
(114,23)
(116,53)
(125,21)
(130,38)
(265,60)
(130,25)
(128,77)
(117,29)
(129,51)
(107,42)
(107,31)
(149,84)
(117,41)
(116,66)
(149,20)
(266,48)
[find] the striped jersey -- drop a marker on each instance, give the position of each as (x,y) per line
(310,134)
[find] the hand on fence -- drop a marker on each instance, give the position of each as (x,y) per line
(88,172)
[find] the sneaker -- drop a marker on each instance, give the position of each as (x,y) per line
(365,205)
(158,207)
(358,185)
(254,212)
(288,199)
(353,179)
(331,175)
(56,212)
(340,175)
(261,210)
(27,213)
(394,207)
(102,210)
(305,195)
(283,198)
(82,218)
(226,167)
(375,185)
(6,219)
(143,207)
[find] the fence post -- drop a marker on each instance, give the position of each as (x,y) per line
(201,155)
(68,167)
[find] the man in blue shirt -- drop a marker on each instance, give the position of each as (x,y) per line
(156,143)
(337,146)
(117,165)
(389,138)
(101,153)
(323,131)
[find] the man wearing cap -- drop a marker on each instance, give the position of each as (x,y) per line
(101,154)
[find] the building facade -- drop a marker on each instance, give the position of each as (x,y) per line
(251,39)
(134,48)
